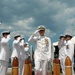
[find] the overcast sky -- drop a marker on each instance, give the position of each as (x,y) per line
(24,16)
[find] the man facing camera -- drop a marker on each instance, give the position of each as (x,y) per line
(42,53)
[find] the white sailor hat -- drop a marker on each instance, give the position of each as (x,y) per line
(26,43)
(5,32)
(22,38)
(18,35)
(41,27)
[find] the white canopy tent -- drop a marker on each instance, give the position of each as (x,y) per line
(55,43)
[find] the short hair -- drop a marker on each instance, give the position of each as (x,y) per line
(61,37)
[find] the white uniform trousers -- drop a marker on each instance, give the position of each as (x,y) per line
(3,67)
(61,57)
(41,67)
(21,64)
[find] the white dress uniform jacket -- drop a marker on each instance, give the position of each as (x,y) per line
(70,49)
(16,49)
(5,50)
(22,50)
(61,46)
(26,52)
(21,60)
(43,47)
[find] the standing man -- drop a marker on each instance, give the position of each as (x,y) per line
(43,50)
(70,49)
(26,49)
(16,49)
(21,60)
(61,46)
(5,52)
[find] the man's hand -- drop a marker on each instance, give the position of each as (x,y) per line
(36,31)
(19,38)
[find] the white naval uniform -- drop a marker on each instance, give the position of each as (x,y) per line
(4,56)
(26,52)
(62,50)
(62,54)
(22,58)
(16,50)
(52,56)
(69,52)
(42,53)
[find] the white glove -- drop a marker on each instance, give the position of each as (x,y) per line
(36,31)
(19,38)
(8,37)
(26,49)
(22,41)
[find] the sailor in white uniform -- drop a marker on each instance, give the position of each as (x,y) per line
(16,47)
(42,53)
(69,50)
(61,46)
(22,58)
(26,49)
(5,52)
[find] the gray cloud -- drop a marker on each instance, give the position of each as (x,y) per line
(27,15)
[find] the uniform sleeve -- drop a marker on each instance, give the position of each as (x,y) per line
(71,48)
(32,38)
(49,56)
(59,45)
(4,41)
(15,43)
(22,43)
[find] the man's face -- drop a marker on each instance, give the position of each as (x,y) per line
(5,35)
(25,45)
(16,38)
(68,38)
(62,39)
(41,32)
